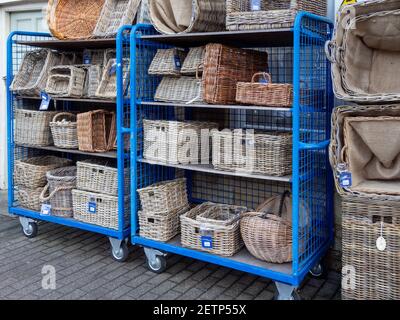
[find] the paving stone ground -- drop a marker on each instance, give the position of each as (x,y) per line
(85,270)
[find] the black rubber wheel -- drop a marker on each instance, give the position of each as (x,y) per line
(318,271)
(121,254)
(158,265)
(31,231)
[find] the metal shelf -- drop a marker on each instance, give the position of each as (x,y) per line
(208,168)
(108,101)
(71,45)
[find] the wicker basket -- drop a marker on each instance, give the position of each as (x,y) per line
(224,67)
(194,61)
(376,272)
(94,57)
(163,197)
(161,227)
(115,14)
(99,209)
(167,62)
(70,58)
(57,192)
(272,14)
(64,130)
(108,85)
(29,198)
(73,19)
(32,128)
(66,81)
(183,16)
(31,173)
(268,153)
(92,82)
(31,78)
(96,132)
(222,238)
(264,94)
(98,176)
(179,90)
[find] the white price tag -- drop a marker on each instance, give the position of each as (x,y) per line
(381,244)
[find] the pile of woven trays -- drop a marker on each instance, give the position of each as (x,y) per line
(365,149)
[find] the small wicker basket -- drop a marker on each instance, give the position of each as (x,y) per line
(66,81)
(194,61)
(167,62)
(92,82)
(29,198)
(179,90)
(264,94)
(108,85)
(64,130)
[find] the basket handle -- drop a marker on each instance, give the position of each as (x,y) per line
(265,75)
(43,197)
(66,114)
(342,154)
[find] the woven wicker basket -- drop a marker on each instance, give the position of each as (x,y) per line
(376,272)
(73,19)
(163,197)
(32,76)
(108,85)
(167,62)
(64,130)
(94,57)
(179,90)
(105,209)
(264,94)
(223,238)
(194,61)
(31,173)
(70,58)
(29,198)
(268,153)
(183,16)
(57,192)
(115,14)
(92,82)
(100,177)
(272,14)
(224,67)
(66,81)
(161,227)
(96,132)
(33,127)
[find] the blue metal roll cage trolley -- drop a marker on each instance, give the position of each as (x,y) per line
(20,42)
(311,180)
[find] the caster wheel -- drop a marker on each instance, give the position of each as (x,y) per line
(318,271)
(31,231)
(295,296)
(157,265)
(121,254)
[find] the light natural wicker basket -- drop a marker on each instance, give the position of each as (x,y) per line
(224,236)
(194,61)
(179,90)
(105,207)
(167,62)
(108,85)
(161,227)
(115,14)
(163,197)
(92,82)
(29,198)
(73,19)
(64,130)
(224,67)
(268,153)
(272,14)
(66,81)
(32,76)
(364,221)
(57,192)
(264,94)
(31,173)
(32,128)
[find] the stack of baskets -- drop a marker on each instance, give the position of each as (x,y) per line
(95,199)
(364,149)
(162,204)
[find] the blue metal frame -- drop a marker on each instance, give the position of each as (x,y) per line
(315,145)
(122,40)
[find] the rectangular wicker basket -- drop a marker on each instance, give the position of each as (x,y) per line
(29,198)
(108,85)
(179,90)
(167,62)
(66,81)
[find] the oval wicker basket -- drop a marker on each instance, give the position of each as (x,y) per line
(64,130)
(73,19)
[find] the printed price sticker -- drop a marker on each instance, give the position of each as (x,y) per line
(87,58)
(178,63)
(113,69)
(92,207)
(381,243)
(206,242)
(45,101)
(345,179)
(255,5)
(45,210)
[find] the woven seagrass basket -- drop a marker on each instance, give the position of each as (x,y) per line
(167,62)
(66,81)
(64,130)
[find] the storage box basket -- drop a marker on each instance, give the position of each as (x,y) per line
(224,67)
(100,176)
(58,190)
(183,16)
(163,197)
(99,209)
(115,14)
(179,90)
(107,88)
(29,198)
(271,14)
(64,130)
(161,227)
(365,54)
(30,173)
(32,128)
(376,271)
(66,81)
(73,19)
(194,61)
(92,82)
(268,153)
(95,131)
(264,94)
(32,76)
(167,62)
(209,234)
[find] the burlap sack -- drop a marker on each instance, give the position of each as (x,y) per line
(182,16)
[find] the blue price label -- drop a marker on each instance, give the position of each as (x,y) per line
(45,101)
(87,59)
(45,210)
(345,179)
(255,5)
(206,242)
(113,69)
(178,63)
(92,207)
